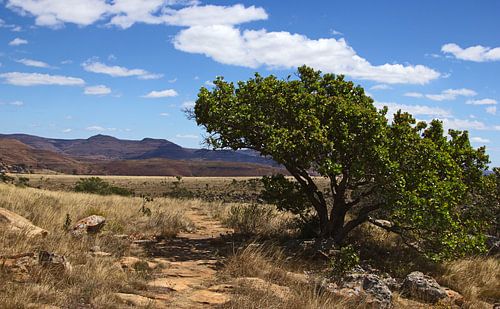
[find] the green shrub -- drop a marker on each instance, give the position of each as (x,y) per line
(250,219)
(344,261)
(97,185)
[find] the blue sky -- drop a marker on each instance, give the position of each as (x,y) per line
(76,68)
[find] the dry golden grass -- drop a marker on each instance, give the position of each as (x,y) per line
(478,279)
(93,279)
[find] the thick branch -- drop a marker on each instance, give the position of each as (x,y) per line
(361,218)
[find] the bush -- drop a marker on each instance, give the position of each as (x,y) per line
(344,261)
(98,186)
(250,219)
(5,178)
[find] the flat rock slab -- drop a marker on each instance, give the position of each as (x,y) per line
(138,300)
(209,297)
(173,284)
(16,223)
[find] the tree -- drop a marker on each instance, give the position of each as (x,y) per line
(409,173)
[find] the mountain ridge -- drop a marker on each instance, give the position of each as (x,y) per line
(104,154)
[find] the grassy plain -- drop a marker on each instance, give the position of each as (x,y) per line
(257,251)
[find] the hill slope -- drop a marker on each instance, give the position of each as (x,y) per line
(111,148)
(101,155)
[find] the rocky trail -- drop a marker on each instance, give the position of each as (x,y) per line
(184,267)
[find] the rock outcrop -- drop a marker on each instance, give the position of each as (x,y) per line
(89,225)
(422,288)
(16,223)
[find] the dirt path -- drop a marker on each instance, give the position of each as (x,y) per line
(185,267)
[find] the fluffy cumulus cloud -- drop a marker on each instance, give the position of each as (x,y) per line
(476,53)
(254,48)
(118,71)
(34,79)
(214,31)
(97,90)
(33,63)
(445,95)
(416,110)
(125,13)
(17,42)
(161,94)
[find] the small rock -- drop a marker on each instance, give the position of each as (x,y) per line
(14,222)
(55,262)
(454,297)
(100,254)
(423,288)
(132,263)
(298,278)
(89,225)
(19,265)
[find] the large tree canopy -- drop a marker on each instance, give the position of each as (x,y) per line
(409,173)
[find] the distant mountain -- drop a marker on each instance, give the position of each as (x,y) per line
(110,148)
(14,152)
(108,155)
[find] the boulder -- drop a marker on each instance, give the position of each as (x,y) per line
(371,286)
(14,222)
(422,288)
(89,225)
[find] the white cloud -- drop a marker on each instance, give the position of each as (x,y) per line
(14,103)
(476,53)
(451,94)
(480,140)
(212,30)
(99,128)
(125,13)
(381,87)
(17,42)
(173,80)
(255,48)
(209,83)
(164,114)
(491,110)
(33,63)
(161,94)
(67,130)
(482,102)
(464,124)
(413,94)
(335,32)
(54,13)
(188,105)
(17,103)
(117,71)
(190,136)
(97,90)
(32,79)
(416,110)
